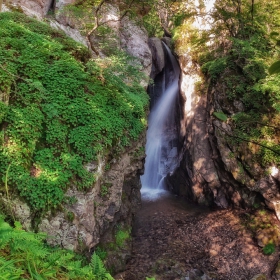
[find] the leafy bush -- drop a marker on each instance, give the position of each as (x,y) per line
(241,70)
(64,109)
(215,67)
(269,249)
(24,255)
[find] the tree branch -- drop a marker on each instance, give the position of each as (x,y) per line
(98,24)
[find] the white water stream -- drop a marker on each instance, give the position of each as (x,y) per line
(160,154)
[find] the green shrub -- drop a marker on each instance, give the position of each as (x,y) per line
(215,67)
(269,249)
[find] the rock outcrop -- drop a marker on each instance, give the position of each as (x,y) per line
(122,34)
(156,47)
(93,218)
(113,200)
(208,174)
(212,169)
(34,8)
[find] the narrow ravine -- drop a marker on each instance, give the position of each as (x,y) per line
(172,238)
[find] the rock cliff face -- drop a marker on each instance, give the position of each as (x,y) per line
(124,33)
(94,217)
(212,170)
(112,202)
(204,169)
(35,8)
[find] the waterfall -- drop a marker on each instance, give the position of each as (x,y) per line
(161,150)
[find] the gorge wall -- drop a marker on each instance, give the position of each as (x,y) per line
(97,215)
(216,168)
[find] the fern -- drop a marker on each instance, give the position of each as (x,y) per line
(24,255)
(7,269)
(98,268)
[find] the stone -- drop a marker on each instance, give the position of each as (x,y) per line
(196,274)
(158,56)
(19,209)
(259,277)
(61,3)
(275,173)
(212,169)
(268,188)
(71,32)
(276,272)
(35,8)
(5,8)
(94,216)
(167,41)
(134,40)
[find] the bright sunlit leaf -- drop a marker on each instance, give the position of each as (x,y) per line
(274,68)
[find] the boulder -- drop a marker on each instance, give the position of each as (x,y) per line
(157,51)
(134,39)
(35,8)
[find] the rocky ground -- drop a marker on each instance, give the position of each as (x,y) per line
(172,238)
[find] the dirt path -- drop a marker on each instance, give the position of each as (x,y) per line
(171,237)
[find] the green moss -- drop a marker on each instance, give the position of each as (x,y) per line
(122,236)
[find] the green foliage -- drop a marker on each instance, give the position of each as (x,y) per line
(98,268)
(152,24)
(24,255)
(221,116)
(64,110)
(274,68)
(215,68)
(188,39)
(236,53)
(271,155)
(3,110)
(70,216)
(179,19)
(101,253)
(103,190)
(269,249)
(122,236)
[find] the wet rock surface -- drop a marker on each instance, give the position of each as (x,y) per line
(176,240)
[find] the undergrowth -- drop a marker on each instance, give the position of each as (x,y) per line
(107,251)
(264,229)
(24,255)
(60,110)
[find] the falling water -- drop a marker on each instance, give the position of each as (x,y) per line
(161,153)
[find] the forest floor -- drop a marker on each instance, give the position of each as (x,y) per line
(172,237)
